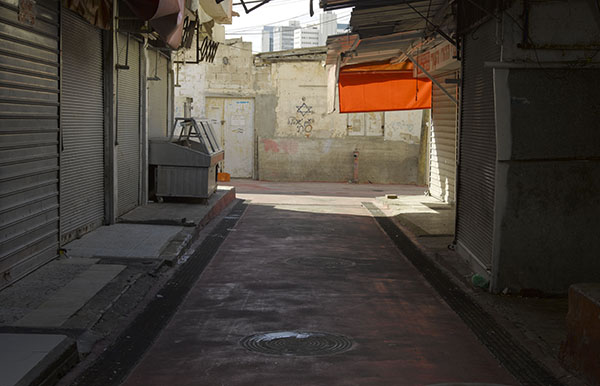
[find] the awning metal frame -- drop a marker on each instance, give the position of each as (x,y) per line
(416,63)
(435,26)
(246,9)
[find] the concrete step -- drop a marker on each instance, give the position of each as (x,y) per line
(68,300)
(581,350)
(35,359)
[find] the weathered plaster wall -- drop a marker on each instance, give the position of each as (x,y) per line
(192,84)
(330,159)
(303,141)
(552,25)
(299,141)
(548,179)
(301,89)
(230,74)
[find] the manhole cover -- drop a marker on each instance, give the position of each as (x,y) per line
(320,262)
(297,343)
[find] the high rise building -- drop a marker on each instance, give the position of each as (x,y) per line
(267,38)
(283,36)
(327,26)
(306,37)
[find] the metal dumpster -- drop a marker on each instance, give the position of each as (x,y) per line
(185,164)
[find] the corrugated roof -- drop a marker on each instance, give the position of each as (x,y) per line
(297,54)
(340,43)
(384,17)
(376,21)
(376,49)
(337,4)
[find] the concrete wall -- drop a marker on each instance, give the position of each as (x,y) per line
(330,159)
(299,141)
(547,203)
(548,179)
(230,73)
(296,139)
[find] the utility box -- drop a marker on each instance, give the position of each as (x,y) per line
(185,164)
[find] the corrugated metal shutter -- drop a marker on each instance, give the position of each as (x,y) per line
(442,144)
(29,134)
(82,120)
(128,126)
(157,94)
(477,167)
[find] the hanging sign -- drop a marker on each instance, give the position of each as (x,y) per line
(440,57)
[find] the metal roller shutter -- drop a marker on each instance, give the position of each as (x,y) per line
(128,126)
(477,167)
(442,144)
(29,134)
(82,120)
(157,94)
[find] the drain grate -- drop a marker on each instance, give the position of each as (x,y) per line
(321,262)
(297,343)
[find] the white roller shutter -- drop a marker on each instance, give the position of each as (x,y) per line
(128,125)
(82,118)
(29,139)
(477,167)
(442,143)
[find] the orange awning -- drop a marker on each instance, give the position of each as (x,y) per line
(382,87)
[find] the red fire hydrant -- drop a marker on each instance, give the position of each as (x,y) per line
(355,176)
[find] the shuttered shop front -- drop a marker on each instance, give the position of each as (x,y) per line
(477,167)
(82,154)
(128,124)
(442,150)
(158,94)
(29,137)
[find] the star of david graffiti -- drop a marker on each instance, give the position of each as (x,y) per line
(304,109)
(301,121)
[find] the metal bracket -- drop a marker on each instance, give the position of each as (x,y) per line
(435,27)
(126,65)
(205,52)
(452,97)
(248,10)
(155,77)
(177,75)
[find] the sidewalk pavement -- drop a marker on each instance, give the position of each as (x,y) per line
(539,324)
(54,316)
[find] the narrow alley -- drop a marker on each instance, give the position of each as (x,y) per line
(299,192)
(307,266)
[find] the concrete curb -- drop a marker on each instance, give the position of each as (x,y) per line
(550,363)
(58,361)
(53,366)
(184,239)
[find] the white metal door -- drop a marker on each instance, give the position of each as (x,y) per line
(233,121)
(239,137)
(214,112)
